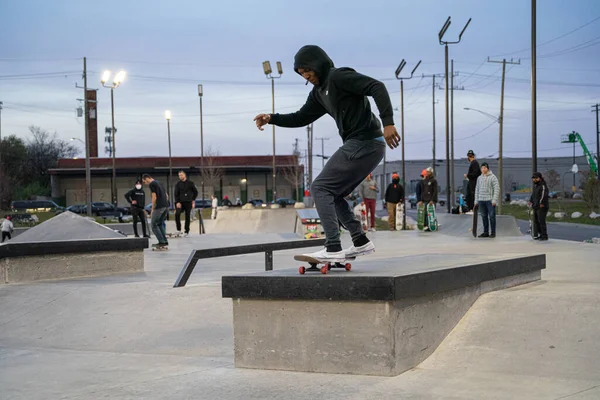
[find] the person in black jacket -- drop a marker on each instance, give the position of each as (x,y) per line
(341,93)
(472,175)
(137,198)
(428,193)
(540,204)
(394,194)
(185,200)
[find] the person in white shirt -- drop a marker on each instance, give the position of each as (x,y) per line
(7,228)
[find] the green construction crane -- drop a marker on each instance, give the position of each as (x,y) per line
(574,137)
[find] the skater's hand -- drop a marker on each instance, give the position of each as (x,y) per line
(493,204)
(391,136)
(431,203)
(420,203)
(178,205)
(529,204)
(134,202)
(193,204)
(465,175)
(541,206)
(261,120)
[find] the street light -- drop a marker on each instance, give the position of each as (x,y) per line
(169,189)
(269,74)
(499,121)
(200,93)
(82,142)
(398,71)
(119,78)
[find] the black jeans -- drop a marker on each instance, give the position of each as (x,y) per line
(471,194)
(5,235)
(187,207)
(539,219)
(138,214)
(344,171)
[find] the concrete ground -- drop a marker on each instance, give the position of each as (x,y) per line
(134,336)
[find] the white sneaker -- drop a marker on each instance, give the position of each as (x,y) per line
(324,255)
(360,250)
(186,234)
(371,229)
(178,233)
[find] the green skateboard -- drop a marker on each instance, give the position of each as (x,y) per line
(420,216)
(431,218)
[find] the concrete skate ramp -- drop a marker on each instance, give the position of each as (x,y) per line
(460,225)
(280,220)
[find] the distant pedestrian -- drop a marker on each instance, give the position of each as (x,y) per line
(394,194)
(214,205)
(540,203)
(487,195)
(160,209)
(7,228)
(137,198)
(368,192)
(226,202)
(472,175)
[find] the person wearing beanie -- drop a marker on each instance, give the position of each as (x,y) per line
(394,194)
(539,201)
(343,94)
(487,195)
(429,192)
(136,197)
(472,175)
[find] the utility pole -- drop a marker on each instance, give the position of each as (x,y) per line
(445,43)
(501,123)
(597,138)
(533,89)
(433,109)
(309,134)
(322,150)
(0,133)
(88,174)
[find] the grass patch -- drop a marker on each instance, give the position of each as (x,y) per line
(569,207)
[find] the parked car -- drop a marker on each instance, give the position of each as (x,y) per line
(256,202)
(32,206)
(286,202)
(99,209)
(203,203)
(412,199)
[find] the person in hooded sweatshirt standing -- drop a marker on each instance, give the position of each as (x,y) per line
(185,200)
(539,201)
(342,93)
(137,198)
(472,175)
(394,194)
(487,195)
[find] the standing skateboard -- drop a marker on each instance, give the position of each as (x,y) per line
(532,230)
(431,218)
(363,217)
(474,227)
(399,215)
(420,216)
(313,262)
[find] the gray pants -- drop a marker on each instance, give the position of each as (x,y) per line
(157,220)
(344,171)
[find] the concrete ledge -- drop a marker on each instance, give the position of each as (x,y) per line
(17,249)
(381,322)
(74,265)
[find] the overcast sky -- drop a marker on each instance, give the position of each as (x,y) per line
(167,48)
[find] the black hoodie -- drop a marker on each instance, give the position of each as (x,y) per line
(539,195)
(341,93)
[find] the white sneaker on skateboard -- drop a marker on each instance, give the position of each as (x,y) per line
(325,256)
(363,250)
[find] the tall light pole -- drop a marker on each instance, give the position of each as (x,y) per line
(200,93)
(445,43)
(115,84)
(398,71)
(499,121)
(269,74)
(1,133)
(169,189)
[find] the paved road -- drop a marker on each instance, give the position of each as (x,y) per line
(556,230)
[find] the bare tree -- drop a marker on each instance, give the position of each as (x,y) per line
(552,179)
(293,174)
(211,172)
(591,191)
(44,149)
(5,189)
(507,182)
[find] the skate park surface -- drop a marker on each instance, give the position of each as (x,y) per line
(135,336)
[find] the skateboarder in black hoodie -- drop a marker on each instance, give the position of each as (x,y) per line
(540,204)
(185,200)
(341,93)
(472,175)
(137,198)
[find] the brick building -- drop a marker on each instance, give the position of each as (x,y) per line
(243,177)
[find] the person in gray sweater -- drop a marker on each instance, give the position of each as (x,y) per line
(368,190)
(487,195)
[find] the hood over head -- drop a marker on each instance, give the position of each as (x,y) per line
(314,58)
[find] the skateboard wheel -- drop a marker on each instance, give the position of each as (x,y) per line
(324,269)
(301,270)
(348,266)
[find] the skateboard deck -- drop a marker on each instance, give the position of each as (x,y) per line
(399,215)
(313,262)
(474,226)
(160,248)
(532,230)
(363,217)
(174,235)
(431,218)
(420,216)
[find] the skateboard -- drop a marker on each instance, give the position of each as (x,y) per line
(474,227)
(532,230)
(399,215)
(363,217)
(174,235)
(420,216)
(431,218)
(313,262)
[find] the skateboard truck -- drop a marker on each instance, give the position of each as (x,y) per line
(325,268)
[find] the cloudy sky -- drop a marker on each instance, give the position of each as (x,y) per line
(167,48)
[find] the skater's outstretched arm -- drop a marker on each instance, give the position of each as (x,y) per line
(310,112)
